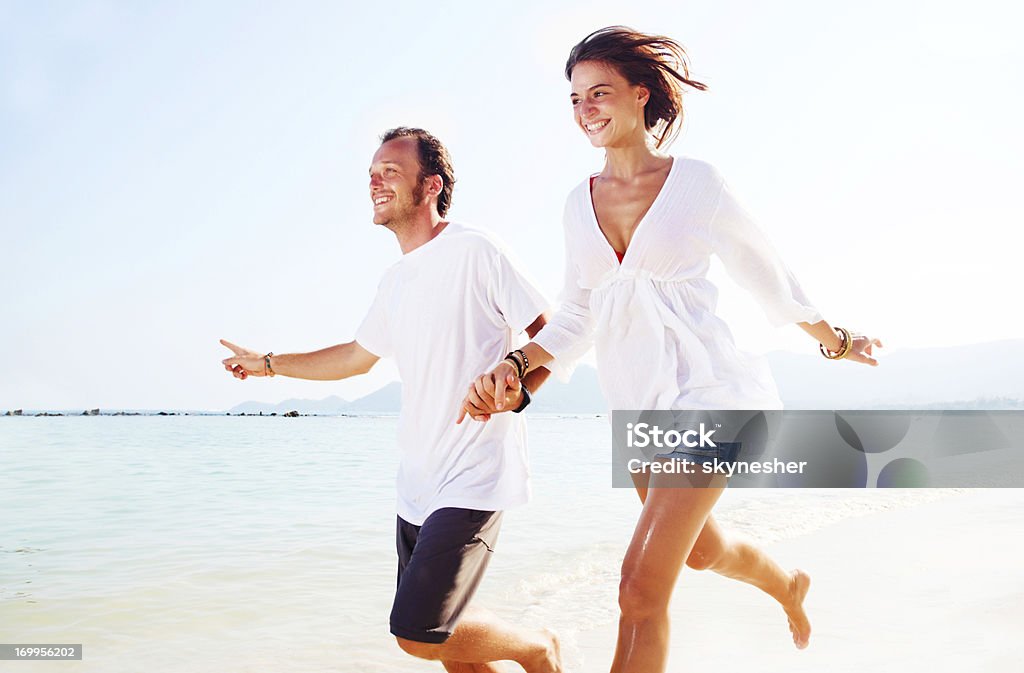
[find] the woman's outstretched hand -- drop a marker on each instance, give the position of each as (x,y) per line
(501,383)
(861,350)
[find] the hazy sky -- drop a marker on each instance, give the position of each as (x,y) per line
(173,173)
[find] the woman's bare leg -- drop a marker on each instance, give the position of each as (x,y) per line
(715,550)
(739,560)
(669,525)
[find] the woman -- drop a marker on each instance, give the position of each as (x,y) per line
(639,237)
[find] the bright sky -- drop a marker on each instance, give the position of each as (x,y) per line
(172,173)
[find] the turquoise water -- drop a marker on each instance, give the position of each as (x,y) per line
(253,544)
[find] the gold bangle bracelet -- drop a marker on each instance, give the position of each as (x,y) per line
(848,344)
(845,346)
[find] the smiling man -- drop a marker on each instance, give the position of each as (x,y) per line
(450,308)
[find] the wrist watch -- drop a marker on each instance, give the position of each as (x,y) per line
(525,402)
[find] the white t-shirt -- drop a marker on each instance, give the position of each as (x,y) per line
(447,312)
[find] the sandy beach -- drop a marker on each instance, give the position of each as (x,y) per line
(934,587)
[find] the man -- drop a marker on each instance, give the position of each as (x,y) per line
(446,311)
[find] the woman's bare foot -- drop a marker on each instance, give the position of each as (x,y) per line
(799,625)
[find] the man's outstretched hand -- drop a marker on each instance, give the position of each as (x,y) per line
(246,363)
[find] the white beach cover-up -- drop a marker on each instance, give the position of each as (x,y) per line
(658,342)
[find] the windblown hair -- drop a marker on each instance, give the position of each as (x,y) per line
(656,62)
(434,160)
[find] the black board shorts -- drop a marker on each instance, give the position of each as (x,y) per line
(440,565)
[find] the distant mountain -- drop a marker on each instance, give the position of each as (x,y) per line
(387,400)
(916,378)
(979,376)
(582,395)
(327,406)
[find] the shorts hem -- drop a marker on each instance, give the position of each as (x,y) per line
(418,519)
(420,636)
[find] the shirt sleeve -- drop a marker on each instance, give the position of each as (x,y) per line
(751,260)
(514,295)
(570,332)
(374,334)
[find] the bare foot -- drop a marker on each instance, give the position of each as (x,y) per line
(799,625)
(550,659)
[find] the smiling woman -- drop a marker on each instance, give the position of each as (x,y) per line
(657,64)
(639,237)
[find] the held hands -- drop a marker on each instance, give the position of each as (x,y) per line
(246,363)
(500,384)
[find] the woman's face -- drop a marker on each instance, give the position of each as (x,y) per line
(607,108)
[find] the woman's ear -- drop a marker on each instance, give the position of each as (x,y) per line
(643,94)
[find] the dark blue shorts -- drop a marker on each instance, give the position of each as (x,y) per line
(440,565)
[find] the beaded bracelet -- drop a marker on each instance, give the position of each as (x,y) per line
(514,359)
(526,360)
(267,369)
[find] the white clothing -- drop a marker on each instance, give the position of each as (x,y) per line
(659,344)
(447,311)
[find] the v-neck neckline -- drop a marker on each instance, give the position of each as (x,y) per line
(597,224)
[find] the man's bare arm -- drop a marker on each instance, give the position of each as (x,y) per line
(327,364)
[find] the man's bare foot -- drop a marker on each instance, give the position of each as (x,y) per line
(799,625)
(550,659)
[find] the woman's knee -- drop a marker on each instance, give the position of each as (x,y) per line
(639,598)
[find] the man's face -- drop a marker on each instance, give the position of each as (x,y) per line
(395,188)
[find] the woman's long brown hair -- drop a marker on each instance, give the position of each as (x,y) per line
(655,62)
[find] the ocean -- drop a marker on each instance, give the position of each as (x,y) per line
(212,543)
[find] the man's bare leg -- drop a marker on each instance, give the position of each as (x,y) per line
(455,667)
(480,639)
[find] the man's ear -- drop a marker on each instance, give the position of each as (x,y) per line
(435,184)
